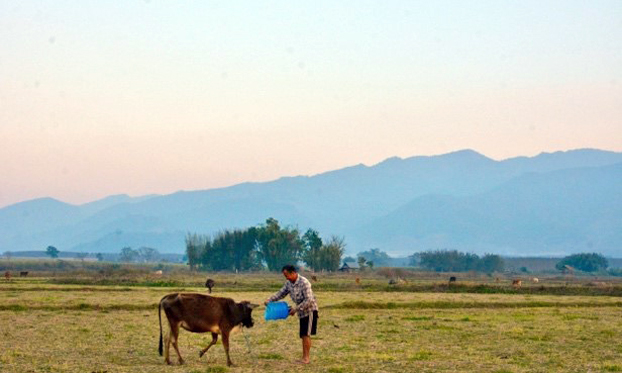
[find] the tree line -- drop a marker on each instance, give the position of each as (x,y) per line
(587,262)
(268,245)
(456,261)
(128,255)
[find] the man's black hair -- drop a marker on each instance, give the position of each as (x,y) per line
(289,268)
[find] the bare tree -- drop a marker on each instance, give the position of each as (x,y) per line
(148,254)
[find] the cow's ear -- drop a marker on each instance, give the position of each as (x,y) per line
(252,306)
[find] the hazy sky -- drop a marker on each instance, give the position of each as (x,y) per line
(142,97)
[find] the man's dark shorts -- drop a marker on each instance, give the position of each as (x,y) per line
(308,325)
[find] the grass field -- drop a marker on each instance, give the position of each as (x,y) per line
(47,326)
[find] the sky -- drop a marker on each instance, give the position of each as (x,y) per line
(151,97)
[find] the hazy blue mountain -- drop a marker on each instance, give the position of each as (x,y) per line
(555,213)
(104,203)
(19,222)
(354,202)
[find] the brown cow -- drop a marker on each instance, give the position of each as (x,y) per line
(517,283)
(7,275)
(200,313)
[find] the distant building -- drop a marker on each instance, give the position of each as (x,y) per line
(349,267)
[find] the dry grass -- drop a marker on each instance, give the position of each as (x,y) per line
(67,328)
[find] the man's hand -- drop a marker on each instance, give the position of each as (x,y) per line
(265,303)
(292,311)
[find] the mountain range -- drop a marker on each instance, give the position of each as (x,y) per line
(551,204)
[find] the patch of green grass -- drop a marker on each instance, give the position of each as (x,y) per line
(211,369)
(271,356)
(612,368)
(570,317)
(421,356)
(418,318)
(469,305)
(540,338)
(355,318)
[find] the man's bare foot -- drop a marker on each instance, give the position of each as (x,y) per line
(302,361)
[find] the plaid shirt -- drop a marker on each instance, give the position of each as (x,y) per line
(301,294)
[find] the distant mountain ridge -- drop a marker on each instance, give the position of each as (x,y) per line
(554,203)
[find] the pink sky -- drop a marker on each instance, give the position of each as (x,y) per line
(165,98)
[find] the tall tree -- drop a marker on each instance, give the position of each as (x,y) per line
(587,262)
(195,244)
(361,260)
(331,253)
(414,259)
(349,259)
(246,256)
(231,250)
(312,246)
(128,254)
(380,258)
(52,252)
(492,263)
(148,254)
(278,246)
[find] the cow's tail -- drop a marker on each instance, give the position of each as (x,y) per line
(160,318)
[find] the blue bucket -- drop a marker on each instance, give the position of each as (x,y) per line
(277,311)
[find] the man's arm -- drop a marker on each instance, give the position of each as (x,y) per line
(279,294)
(308,293)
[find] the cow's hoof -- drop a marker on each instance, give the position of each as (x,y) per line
(168,362)
(181,362)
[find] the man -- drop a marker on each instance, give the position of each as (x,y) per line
(299,288)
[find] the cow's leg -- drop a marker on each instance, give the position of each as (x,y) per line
(225,343)
(213,342)
(174,336)
(167,344)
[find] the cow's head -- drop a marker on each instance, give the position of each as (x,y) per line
(245,310)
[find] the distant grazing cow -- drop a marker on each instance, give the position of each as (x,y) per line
(157,273)
(517,283)
(200,313)
(452,279)
(358,280)
(23,274)
(7,275)
(314,278)
(535,280)
(210,284)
